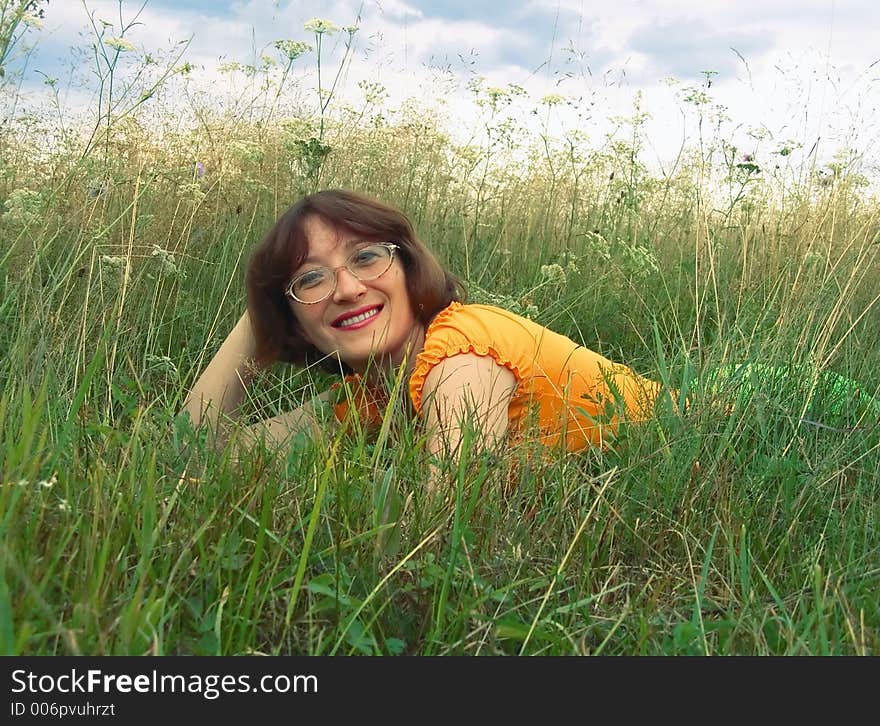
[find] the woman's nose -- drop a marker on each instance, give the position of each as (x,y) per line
(348,287)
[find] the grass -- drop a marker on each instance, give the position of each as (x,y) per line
(749,529)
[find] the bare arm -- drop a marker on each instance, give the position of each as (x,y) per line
(466,389)
(221,387)
(313,417)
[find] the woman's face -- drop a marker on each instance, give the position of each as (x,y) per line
(389,326)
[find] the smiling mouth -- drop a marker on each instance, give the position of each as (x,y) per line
(357,320)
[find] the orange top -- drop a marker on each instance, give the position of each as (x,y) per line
(572,391)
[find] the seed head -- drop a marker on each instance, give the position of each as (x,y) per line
(319,26)
(119,44)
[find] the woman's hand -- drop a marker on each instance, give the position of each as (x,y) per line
(313,418)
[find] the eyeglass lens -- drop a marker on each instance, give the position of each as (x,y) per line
(366,263)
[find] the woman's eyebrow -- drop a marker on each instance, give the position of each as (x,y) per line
(349,244)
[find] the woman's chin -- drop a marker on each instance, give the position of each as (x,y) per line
(360,359)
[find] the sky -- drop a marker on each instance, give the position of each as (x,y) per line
(785,70)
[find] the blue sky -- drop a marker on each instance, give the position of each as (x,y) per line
(801,68)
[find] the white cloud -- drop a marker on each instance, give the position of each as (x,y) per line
(805,71)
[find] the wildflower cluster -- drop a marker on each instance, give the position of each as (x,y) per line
(553,274)
(247,151)
(121,45)
(24,208)
(168,266)
(319,26)
(32,21)
(552,99)
(162,364)
(374,93)
(112,271)
(597,246)
(44,485)
(292,49)
(519,306)
(494,97)
(191,191)
(639,260)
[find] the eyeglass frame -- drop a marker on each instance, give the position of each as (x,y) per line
(391,246)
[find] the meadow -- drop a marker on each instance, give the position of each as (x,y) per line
(746,525)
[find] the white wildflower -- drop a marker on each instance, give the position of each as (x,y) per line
(23,207)
(553,274)
(113,271)
(229,67)
(247,150)
(119,44)
(48,484)
(63,505)
(825,176)
(168,264)
(497,94)
(598,246)
(641,260)
(552,99)
(319,26)
(350,29)
(522,306)
(22,482)
(293,49)
(192,191)
(161,363)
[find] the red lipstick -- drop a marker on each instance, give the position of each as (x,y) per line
(364,311)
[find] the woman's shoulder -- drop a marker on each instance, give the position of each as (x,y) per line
(476,318)
(482,330)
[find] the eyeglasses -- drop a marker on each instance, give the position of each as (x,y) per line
(365,263)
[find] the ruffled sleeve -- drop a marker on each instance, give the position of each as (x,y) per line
(452,332)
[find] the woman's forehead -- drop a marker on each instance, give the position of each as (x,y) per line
(323,239)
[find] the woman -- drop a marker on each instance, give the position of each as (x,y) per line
(342,280)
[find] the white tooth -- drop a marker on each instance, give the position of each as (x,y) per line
(358,318)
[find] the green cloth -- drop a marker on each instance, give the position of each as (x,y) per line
(828,395)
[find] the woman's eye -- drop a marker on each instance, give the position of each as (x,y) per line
(366,256)
(309,279)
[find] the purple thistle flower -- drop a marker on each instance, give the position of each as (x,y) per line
(200,170)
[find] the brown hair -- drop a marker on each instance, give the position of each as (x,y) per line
(276,331)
